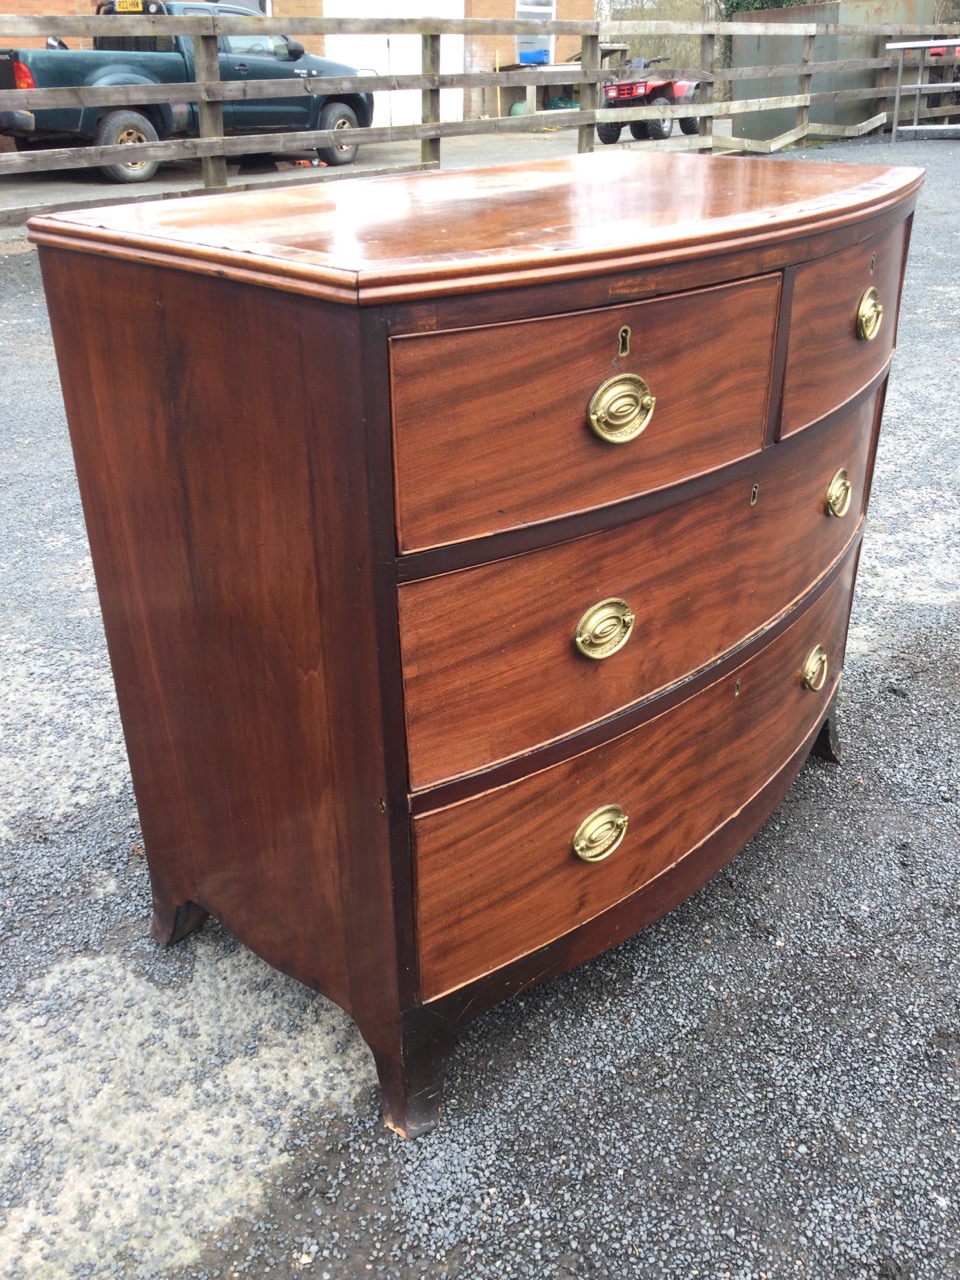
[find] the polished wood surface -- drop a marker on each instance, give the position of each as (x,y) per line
(674,779)
(401,237)
(238,625)
(633,913)
(345,511)
(521,442)
(490,667)
(825,350)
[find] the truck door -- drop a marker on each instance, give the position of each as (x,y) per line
(262,57)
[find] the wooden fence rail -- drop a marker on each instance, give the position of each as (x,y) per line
(213,149)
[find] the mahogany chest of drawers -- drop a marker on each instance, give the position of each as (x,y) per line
(476,549)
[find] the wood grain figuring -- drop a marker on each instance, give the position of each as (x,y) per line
(631,914)
(477,453)
(226,606)
(436,234)
(678,779)
(827,362)
(345,513)
(490,667)
(635,281)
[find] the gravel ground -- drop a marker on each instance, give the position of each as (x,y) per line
(765,1084)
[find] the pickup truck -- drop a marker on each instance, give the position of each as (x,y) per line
(164,59)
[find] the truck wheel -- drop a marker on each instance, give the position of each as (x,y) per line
(660,129)
(608,132)
(337,115)
(691,124)
(639,129)
(117,128)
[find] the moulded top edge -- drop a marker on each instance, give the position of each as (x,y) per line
(385,238)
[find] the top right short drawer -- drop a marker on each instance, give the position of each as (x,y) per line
(842,326)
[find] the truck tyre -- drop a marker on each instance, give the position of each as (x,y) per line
(660,129)
(118,127)
(337,115)
(690,124)
(608,132)
(638,129)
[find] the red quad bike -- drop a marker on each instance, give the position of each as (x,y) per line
(636,87)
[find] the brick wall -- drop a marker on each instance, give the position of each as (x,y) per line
(481,53)
(43,9)
(293,9)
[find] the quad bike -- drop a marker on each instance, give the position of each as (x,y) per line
(636,87)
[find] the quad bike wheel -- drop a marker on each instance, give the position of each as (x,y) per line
(609,132)
(639,129)
(690,124)
(660,129)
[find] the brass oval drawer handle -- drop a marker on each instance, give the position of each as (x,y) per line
(839,491)
(604,628)
(815,669)
(869,315)
(598,835)
(621,408)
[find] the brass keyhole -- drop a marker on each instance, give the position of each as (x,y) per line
(754,495)
(624,341)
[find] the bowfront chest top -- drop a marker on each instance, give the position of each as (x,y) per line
(475,549)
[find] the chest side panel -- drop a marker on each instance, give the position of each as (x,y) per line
(224,486)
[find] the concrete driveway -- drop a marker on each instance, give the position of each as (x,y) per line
(765,1084)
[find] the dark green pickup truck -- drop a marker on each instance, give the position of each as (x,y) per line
(159,59)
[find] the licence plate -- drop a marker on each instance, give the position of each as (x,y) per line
(128,6)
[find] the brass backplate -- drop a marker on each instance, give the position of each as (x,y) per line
(621,408)
(839,491)
(604,628)
(815,669)
(599,834)
(869,315)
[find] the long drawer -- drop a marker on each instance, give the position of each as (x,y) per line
(492,427)
(839,340)
(498,876)
(491,661)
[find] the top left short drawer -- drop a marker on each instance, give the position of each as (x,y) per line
(492,425)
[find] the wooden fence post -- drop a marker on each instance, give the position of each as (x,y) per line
(804,80)
(430,110)
(589,91)
(206,66)
(708,63)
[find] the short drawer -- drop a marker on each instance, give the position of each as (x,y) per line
(499,875)
(492,425)
(838,339)
(491,663)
